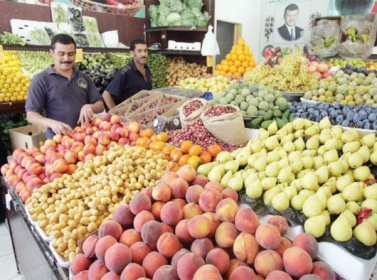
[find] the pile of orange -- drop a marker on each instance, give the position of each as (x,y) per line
(237,62)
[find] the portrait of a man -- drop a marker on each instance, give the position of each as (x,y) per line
(289,31)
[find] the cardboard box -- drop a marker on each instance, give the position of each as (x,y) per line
(25,137)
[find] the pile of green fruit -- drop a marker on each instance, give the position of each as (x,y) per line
(281,115)
(343,62)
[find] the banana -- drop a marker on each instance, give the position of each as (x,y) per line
(329,42)
(364,38)
(318,47)
(352,32)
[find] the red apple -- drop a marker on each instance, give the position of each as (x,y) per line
(106,117)
(133,136)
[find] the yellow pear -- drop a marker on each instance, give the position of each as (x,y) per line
(326,215)
(298,124)
(297,201)
(365,233)
(369,203)
(341,230)
(282,132)
(285,174)
(312,143)
(373,157)
(312,130)
(262,134)
(236,183)
(205,168)
(312,206)
(322,198)
(369,140)
(351,147)
(353,206)
(232,165)
(268,183)
(272,142)
(315,226)
(344,162)
(322,174)
(310,181)
(321,150)
(307,161)
(370,192)
(306,193)
(336,204)
(254,190)
(372,219)
(362,173)
(310,153)
(355,160)
(291,191)
(331,144)
(289,127)
(325,123)
(223,157)
(280,201)
(269,194)
(302,173)
(331,156)
(272,128)
(225,179)
(350,216)
(289,147)
(261,163)
(353,192)
(336,131)
(294,155)
(299,133)
(307,123)
(296,165)
(250,179)
(335,168)
(256,145)
(272,156)
(344,181)
(364,152)
(299,144)
(318,162)
(286,138)
(325,135)
(296,183)
(272,170)
(283,162)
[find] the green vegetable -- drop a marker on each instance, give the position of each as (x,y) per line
(174,19)
(90,24)
(8,122)
(95,40)
(10,39)
(40,37)
(194,3)
(269,98)
(33,62)
(263,105)
(252,111)
(59,14)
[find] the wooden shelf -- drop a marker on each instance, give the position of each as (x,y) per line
(46,48)
(178,52)
(8,108)
(177,28)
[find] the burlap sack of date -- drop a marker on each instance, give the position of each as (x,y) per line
(191,110)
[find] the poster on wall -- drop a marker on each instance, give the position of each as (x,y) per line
(132,8)
(286,26)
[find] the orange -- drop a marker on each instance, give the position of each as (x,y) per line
(233,51)
(241,70)
(249,68)
(228,56)
(222,73)
(162,136)
(241,57)
(225,67)
(142,142)
(237,74)
(174,168)
(245,64)
(156,145)
(241,41)
(185,146)
(195,150)
(224,62)
(230,63)
(214,149)
(175,154)
(205,157)
(216,72)
(232,69)
(252,63)
(183,159)
(167,150)
(239,52)
(147,132)
(237,63)
(234,57)
(219,67)
(194,161)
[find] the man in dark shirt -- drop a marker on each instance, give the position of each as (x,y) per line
(131,78)
(289,31)
(67,96)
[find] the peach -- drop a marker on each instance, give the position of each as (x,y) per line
(168,177)
(178,188)
(209,199)
(60,165)
(226,234)
(114,136)
(35,168)
(83,275)
(71,168)
(80,263)
(141,218)
(199,226)
(177,256)
(153,261)
(190,210)
(70,157)
(99,150)
(207,271)
(226,210)
(167,227)
(168,244)
(188,264)
(117,257)
(110,276)
(214,185)
(161,192)
(89,157)
(123,215)
(278,275)
(139,250)
(246,220)
(97,270)
(89,148)
(148,192)
(268,236)
(219,258)
(199,179)
(140,202)
(166,272)
(102,245)
(123,132)
(77,147)
(193,193)
(267,261)
(150,232)
(182,232)
(110,227)
(201,247)
(297,262)
(323,270)
(171,213)
(214,222)
(133,136)
(132,271)
(187,173)
(233,264)
(181,202)
(280,222)
(245,247)
(89,245)
(243,272)
(307,242)
(310,277)
(285,243)
(106,117)
(156,210)
(230,193)
(129,237)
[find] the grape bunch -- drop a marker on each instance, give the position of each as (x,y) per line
(268,27)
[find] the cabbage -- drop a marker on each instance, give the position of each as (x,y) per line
(194,4)
(174,19)
(163,10)
(153,12)
(162,21)
(196,11)
(204,19)
(167,3)
(176,7)
(188,18)
(154,23)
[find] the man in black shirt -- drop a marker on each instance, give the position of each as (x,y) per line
(131,78)
(289,31)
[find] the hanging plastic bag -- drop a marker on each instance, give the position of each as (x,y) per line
(210,46)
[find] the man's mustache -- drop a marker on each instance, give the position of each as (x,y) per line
(66,62)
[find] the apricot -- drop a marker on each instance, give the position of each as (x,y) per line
(102,245)
(140,202)
(187,173)
(150,232)
(307,242)
(243,272)
(323,270)
(132,271)
(161,192)
(246,220)
(168,244)
(267,261)
(89,245)
(190,210)
(297,262)
(199,226)
(230,193)
(97,270)
(200,179)
(141,218)
(201,246)
(207,271)
(123,215)
(166,272)
(278,275)
(110,227)
(188,264)
(285,243)
(171,213)
(117,257)
(280,222)
(80,263)
(178,188)
(153,261)
(226,210)
(193,193)
(182,232)
(209,199)
(139,250)
(129,237)
(245,247)
(219,258)
(214,222)
(177,256)
(268,236)
(226,234)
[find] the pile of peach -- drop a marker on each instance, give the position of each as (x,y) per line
(189,228)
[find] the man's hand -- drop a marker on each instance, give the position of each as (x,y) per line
(61,128)
(86,114)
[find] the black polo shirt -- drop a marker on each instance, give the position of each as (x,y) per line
(128,81)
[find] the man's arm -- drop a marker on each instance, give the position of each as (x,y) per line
(109,101)
(56,126)
(88,110)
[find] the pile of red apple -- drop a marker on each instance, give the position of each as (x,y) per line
(321,69)
(32,168)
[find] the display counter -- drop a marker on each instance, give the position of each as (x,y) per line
(33,255)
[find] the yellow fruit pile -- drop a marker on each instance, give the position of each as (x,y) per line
(238,61)
(13,83)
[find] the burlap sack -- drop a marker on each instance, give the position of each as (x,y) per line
(229,128)
(194,115)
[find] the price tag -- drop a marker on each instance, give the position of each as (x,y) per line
(79,55)
(1,53)
(210,61)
